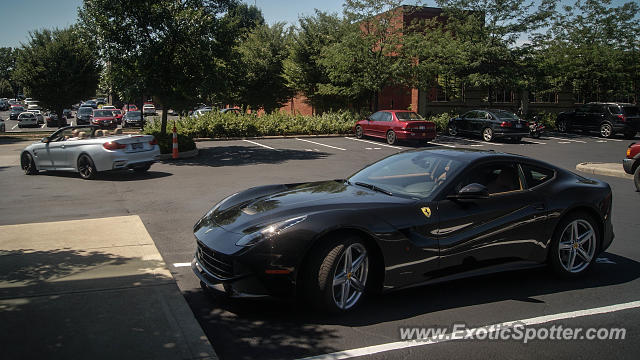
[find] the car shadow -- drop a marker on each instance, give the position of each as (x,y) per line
(115,175)
(221,156)
(270,323)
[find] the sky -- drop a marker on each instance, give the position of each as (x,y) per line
(18,17)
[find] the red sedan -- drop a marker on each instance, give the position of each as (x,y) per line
(129,107)
(394,125)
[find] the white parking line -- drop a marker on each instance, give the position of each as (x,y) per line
(446,145)
(536,142)
(14,126)
(329,146)
(597,138)
(375,143)
(565,139)
(475,141)
(564,142)
(181,264)
(376,349)
(255,143)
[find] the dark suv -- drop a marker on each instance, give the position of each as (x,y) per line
(607,118)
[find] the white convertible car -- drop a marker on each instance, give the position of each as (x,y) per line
(88,150)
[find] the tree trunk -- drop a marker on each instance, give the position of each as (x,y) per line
(163,126)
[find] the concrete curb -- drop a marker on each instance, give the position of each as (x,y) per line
(272,137)
(182,155)
(607,169)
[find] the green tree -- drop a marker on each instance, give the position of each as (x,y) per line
(6,90)
(165,47)
(260,58)
(7,65)
(303,69)
(592,47)
(366,59)
(57,67)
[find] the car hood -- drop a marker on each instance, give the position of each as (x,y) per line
(240,214)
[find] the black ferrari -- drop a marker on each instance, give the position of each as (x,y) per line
(412,218)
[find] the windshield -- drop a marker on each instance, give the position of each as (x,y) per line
(103,113)
(412,174)
(134,115)
(85,111)
(408,116)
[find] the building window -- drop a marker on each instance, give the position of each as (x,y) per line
(448,89)
(501,95)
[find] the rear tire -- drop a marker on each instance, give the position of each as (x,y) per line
(574,245)
(391,137)
(359,132)
(606,130)
(28,164)
(338,267)
(86,167)
(487,134)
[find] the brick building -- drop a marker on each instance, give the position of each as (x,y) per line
(440,99)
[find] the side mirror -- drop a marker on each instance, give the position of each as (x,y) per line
(45,140)
(471,192)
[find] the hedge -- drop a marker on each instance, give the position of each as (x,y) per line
(217,125)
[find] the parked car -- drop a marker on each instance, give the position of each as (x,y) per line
(39,116)
(129,107)
(230,111)
(413,217)
(67,113)
(132,118)
(53,120)
(4,105)
(631,163)
(201,111)
(88,150)
(148,109)
(606,118)
(489,124)
(83,115)
(90,103)
(32,105)
(101,101)
(15,111)
(117,113)
(394,125)
(27,119)
(104,119)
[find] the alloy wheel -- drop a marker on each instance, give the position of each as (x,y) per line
(487,134)
(85,167)
(350,276)
(577,246)
(359,132)
(453,131)
(391,137)
(562,126)
(606,130)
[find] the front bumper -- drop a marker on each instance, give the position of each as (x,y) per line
(627,165)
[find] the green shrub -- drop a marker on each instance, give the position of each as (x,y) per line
(217,125)
(185,143)
(442,120)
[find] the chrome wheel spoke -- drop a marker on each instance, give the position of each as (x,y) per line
(571,260)
(584,237)
(358,262)
(346,286)
(357,285)
(565,246)
(585,257)
(340,279)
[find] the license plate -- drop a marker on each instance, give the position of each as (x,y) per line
(518,126)
(136,146)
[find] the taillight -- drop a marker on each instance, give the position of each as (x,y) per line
(622,118)
(505,124)
(113,145)
(153,142)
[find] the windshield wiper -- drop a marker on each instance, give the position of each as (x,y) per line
(374,188)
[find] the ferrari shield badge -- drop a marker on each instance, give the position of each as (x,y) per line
(426,211)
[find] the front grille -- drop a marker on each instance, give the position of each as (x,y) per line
(214,262)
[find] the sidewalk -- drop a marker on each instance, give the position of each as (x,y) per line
(607,169)
(91,289)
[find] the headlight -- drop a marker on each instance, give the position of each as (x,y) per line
(269,231)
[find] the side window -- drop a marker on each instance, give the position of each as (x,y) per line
(615,110)
(387,117)
(376,116)
(535,175)
(497,177)
(470,115)
(481,115)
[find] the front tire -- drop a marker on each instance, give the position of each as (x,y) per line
(562,126)
(636,178)
(28,164)
(391,137)
(86,167)
(606,130)
(359,132)
(337,277)
(574,245)
(452,130)
(487,134)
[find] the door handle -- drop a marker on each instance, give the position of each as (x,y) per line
(539,206)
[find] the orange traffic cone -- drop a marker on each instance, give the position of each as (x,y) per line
(175,141)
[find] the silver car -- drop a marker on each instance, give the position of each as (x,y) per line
(89,150)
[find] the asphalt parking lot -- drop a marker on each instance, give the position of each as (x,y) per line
(173,195)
